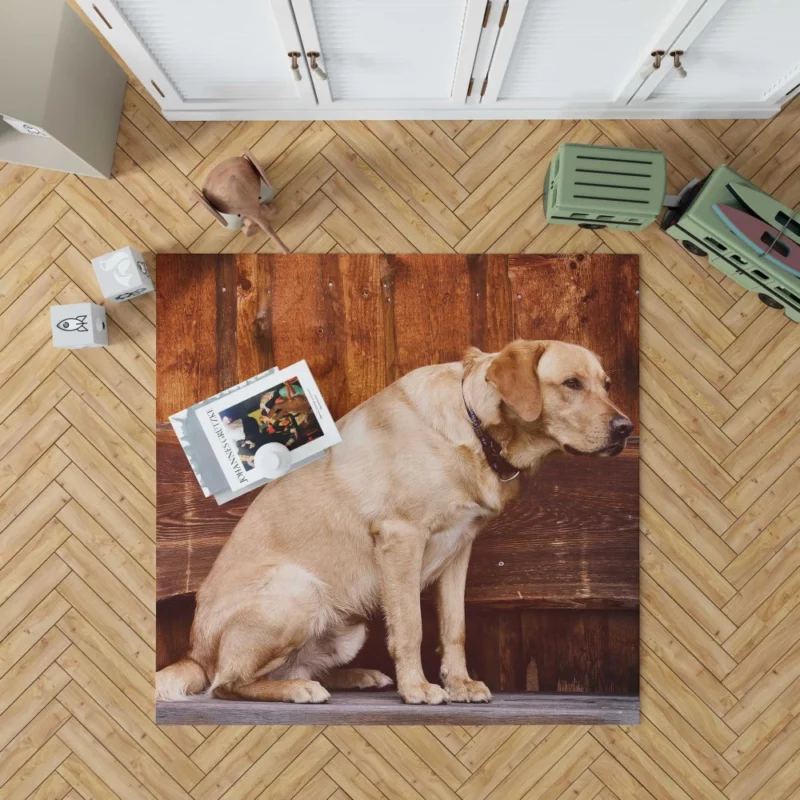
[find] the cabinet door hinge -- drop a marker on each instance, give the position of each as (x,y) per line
(483,88)
(469,88)
(486,13)
(503,15)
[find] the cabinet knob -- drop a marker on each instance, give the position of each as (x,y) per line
(294,55)
(651,68)
(676,60)
(315,68)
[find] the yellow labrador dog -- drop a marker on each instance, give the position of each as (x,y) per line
(422,467)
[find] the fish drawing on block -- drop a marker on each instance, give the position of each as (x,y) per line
(763,238)
(77,324)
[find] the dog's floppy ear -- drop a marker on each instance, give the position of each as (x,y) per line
(513,374)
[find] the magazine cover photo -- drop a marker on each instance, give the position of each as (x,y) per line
(282,408)
(281,413)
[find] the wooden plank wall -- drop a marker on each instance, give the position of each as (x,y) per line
(570,542)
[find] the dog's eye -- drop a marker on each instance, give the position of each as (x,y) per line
(608,384)
(573,383)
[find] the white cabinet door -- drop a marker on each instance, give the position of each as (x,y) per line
(390,54)
(745,51)
(561,53)
(205,54)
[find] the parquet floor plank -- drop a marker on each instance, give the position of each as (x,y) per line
(720,481)
(680,733)
(207,135)
(31,593)
(91,606)
(381,194)
(438,144)
(30,267)
(501,180)
(120,744)
(236,761)
(682,553)
(373,229)
(12,176)
(158,203)
(145,117)
(426,168)
(108,515)
(26,198)
(31,629)
(111,482)
(106,777)
(32,738)
(245,134)
(783,565)
(302,149)
(476,133)
(156,164)
(347,777)
(104,655)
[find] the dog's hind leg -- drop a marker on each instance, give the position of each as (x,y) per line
(261,642)
(342,645)
(356,678)
(319,657)
(291,691)
(246,660)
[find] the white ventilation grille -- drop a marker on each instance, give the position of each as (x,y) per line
(390,49)
(740,55)
(214,50)
(583,49)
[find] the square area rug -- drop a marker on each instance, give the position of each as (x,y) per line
(552,597)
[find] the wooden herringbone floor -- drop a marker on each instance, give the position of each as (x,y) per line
(720,475)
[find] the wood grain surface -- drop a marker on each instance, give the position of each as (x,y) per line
(569,542)
(386,708)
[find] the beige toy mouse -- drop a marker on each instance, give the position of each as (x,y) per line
(233,189)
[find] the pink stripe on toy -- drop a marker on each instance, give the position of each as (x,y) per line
(764,239)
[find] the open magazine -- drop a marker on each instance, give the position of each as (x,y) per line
(221,435)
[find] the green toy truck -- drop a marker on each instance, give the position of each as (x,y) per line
(594,186)
(695,224)
(605,187)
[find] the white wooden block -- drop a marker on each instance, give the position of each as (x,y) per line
(79,325)
(122,274)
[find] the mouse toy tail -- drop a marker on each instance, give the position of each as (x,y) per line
(263,223)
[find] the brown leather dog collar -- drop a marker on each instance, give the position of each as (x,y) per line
(492,449)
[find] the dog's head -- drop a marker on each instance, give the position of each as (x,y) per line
(562,390)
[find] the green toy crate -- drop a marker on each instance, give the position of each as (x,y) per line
(598,187)
(696,225)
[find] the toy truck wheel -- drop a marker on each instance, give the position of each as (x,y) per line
(592,226)
(769,301)
(693,248)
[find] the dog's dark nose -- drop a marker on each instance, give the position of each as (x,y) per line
(621,428)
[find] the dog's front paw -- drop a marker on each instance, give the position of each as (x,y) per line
(465,690)
(427,693)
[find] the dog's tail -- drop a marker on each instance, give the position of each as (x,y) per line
(179,680)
